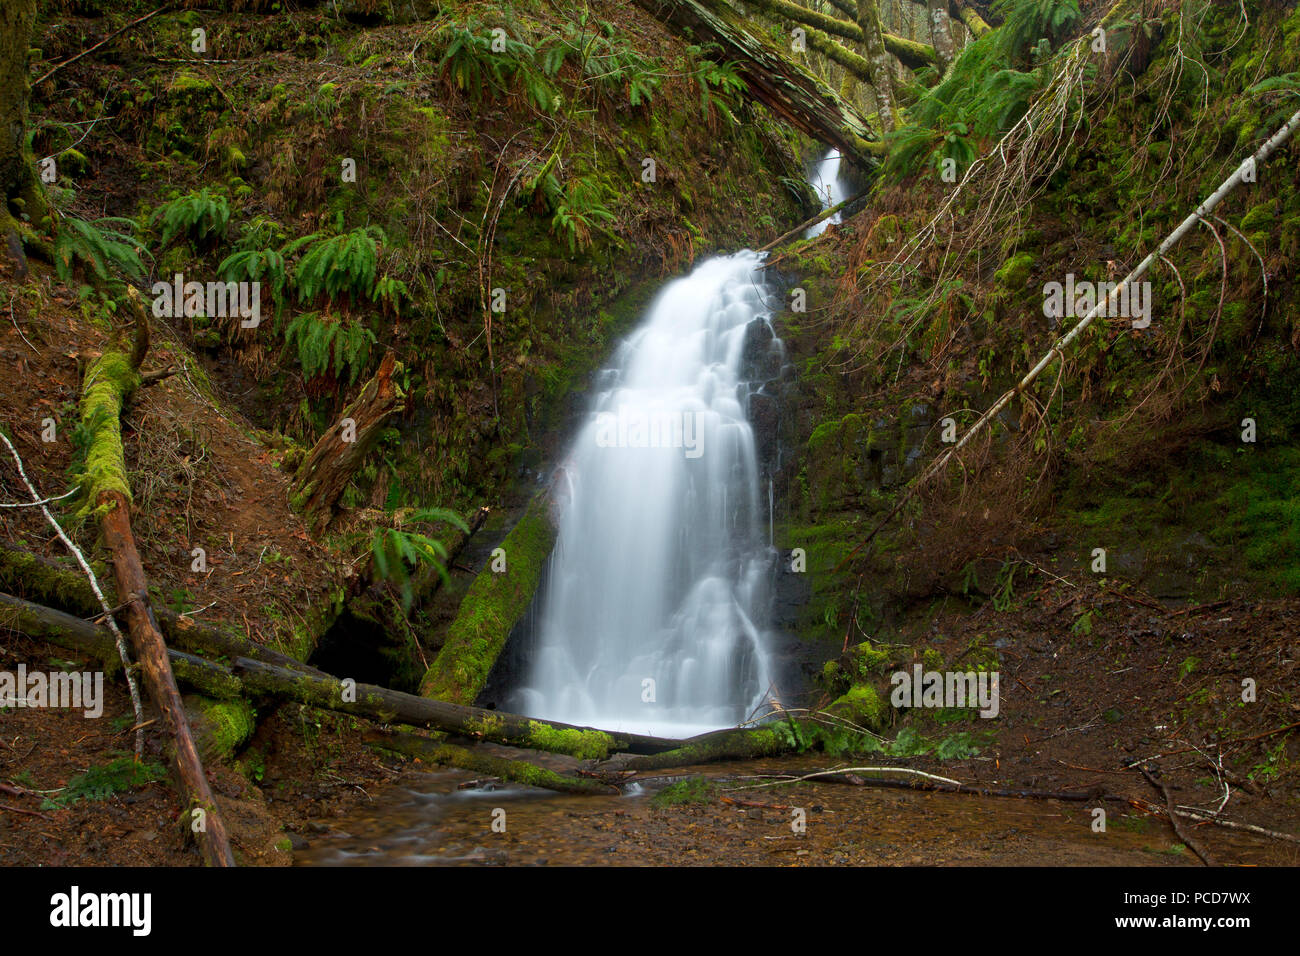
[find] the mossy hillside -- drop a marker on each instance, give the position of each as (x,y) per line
(1205,510)
(429,176)
(491,607)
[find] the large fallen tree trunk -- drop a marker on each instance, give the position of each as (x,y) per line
(784,87)
(109,382)
(329,466)
(494,603)
(245,677)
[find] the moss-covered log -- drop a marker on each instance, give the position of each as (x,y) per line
(95,640)
(792,93)
(740,743)
(109,382)
(220,727)
(492,606)
(250,678)
(969,16)
(469,758)
(46,582)
(323,475)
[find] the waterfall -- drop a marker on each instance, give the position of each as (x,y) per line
(825,179)
(653,615)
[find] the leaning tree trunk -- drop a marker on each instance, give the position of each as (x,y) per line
(970,17)
(109,382)
(822,26)
(325,472)
(882,77)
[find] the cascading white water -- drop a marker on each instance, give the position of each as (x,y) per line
(653,615)
(825,179)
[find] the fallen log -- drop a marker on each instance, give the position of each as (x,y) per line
(469,758)
(792,93)
(736,743)
(46,582)
(491,607)
(109,382)
(323,475)
(395,707)
(824,214)
(247,677)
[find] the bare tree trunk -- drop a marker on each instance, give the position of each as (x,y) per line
(882,78)
(940,32)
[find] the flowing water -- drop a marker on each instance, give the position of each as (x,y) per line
(652,618)
(825,180)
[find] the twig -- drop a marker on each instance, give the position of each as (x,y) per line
(118,639)
(112,36)
(1173,818)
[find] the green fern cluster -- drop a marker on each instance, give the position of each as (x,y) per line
(611,68)
(330,345)
(980,99)
(338,266)
(100,783)
(1026,22)
(720,86)
(200,215)
(396,553)
(579,211)
(470,62)
(99,246)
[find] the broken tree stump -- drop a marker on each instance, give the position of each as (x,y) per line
(334,459)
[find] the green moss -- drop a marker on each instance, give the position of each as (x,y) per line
(220,727)
(867,660)
(863,706)
(690,790)
(490,609)
(583,744)
(109,381)
(1014,273)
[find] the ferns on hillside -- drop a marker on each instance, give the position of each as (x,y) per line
(329,345)
(980,99)
(339,265)
(579,211)
(1026,22)
(199,215)
(98,247)
(395,553)
(720,87)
